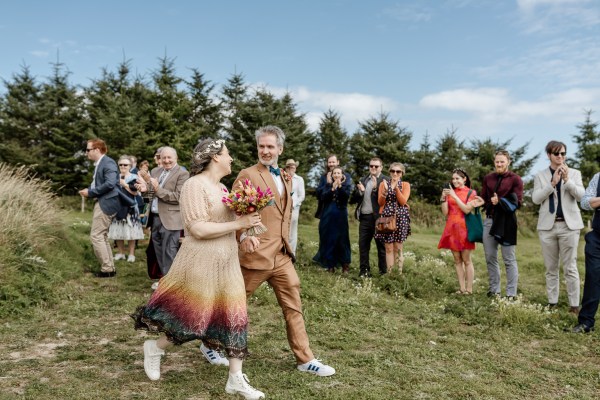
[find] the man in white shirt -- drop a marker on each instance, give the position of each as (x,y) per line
(298,195)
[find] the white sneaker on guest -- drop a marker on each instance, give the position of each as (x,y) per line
(238,384)
(130,258)
(119,256)
(152,355)
(154,285)
(316,367)
(213,356)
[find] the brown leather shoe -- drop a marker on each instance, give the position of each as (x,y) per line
(574,310)
(345,268)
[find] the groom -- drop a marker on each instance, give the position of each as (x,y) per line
(269,257)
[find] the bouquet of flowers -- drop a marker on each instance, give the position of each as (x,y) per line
(247,199)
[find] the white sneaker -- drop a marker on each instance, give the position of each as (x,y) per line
(152,355)
(213,356)
(238,384)
(316,367)
(154,285)
(119,256)
(130,258)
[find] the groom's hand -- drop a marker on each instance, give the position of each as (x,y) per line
(249,244)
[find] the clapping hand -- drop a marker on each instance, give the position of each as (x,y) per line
(145,175)
(477,201)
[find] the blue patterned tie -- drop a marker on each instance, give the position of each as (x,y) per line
(274,171)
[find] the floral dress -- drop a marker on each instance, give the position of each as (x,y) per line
(393,207)
(454,236)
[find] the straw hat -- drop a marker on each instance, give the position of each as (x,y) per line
(292,162)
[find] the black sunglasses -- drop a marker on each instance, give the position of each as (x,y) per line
(124,165)
(88,150)
(560,153)
(395,171)
(374,166)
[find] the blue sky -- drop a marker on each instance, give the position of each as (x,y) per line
(521,69)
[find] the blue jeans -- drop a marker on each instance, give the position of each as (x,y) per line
(591,286)
(490,247)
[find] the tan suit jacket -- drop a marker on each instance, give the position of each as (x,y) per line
(570,195)
(168,197)
(276,218)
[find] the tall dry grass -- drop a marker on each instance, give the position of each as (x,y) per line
(29,215)
(30,225)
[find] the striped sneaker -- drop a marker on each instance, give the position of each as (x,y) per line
(213,356)
(316,367)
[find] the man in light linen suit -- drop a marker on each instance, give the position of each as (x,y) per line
(268,257)
(558,189)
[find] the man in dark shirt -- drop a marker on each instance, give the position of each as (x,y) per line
(502,191)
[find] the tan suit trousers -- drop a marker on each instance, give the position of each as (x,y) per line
(286,285)
(99,236)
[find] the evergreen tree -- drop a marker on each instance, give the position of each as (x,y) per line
(332,138)
(59,146)
(171,113)
(425,174)
(240,137)
(481,152)
(20,119)
(379,137)
(118,109)
(206,116)
(588,148)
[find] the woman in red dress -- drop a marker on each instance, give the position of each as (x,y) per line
(457,200)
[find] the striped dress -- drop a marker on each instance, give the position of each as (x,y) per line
(203,295)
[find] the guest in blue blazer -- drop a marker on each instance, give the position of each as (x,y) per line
(104,189)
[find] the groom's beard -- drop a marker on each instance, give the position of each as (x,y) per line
(271,162)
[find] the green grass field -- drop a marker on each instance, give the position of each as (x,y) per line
(392,337)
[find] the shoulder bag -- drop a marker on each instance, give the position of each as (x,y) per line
(474,223)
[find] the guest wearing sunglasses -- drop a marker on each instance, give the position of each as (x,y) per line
(393,201)
(104,189)
(557,190)
(126,225)
(367,211)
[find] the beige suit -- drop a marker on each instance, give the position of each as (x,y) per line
(167,225)
(559,239)
(273,260)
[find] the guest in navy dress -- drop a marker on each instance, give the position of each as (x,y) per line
(334,236)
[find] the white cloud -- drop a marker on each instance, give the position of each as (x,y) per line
(529,5)
(409,13)
(494,105)
(39,53)
(352,107)
(555,16)
(561,62)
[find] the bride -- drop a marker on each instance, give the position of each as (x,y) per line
(203,296)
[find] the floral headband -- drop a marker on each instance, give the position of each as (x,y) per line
(216,145)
